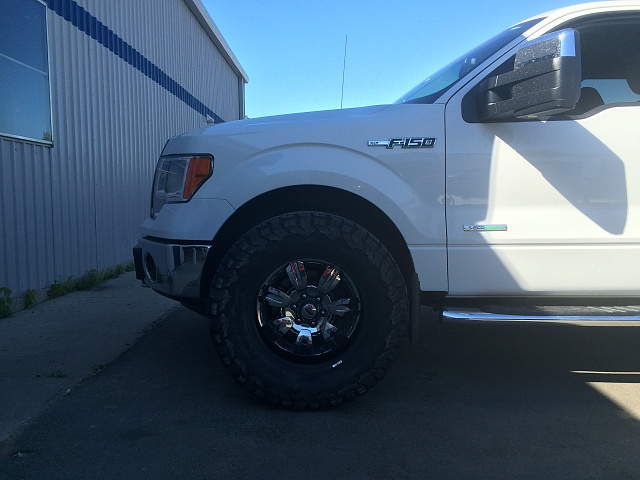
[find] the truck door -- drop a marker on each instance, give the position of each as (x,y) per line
(552,206)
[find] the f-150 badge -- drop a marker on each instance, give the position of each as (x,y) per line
(407,142)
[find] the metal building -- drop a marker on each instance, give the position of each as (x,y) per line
(90,92)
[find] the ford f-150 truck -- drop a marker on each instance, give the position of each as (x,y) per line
(505,184)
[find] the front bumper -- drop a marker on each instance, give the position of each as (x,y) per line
(171,269)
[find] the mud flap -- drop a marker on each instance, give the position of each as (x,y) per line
(414,298)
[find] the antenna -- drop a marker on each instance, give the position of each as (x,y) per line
(344,67)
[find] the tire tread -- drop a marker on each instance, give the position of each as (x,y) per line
(277,230)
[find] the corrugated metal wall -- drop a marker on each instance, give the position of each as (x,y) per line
(26,229)
(79,205)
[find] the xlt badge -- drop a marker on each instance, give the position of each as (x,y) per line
(406,142)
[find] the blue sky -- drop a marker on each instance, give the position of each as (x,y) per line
(293,50)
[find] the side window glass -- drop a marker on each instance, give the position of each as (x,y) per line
(610,65)
(25,109)
(613,90)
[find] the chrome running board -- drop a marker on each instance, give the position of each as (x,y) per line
(545,314)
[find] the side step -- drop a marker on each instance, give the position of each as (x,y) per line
(547,313)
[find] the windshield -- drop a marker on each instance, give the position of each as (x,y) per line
(438,83)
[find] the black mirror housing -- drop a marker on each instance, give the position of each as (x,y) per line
(545,80)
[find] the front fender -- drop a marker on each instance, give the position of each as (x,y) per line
(411,197)
(401,198)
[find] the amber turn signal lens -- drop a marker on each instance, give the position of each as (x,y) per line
(198,171)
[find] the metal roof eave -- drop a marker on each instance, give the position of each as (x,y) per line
(201,13)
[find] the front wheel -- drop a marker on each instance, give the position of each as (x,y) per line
(307,310)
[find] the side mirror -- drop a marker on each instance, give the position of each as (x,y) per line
(545,80)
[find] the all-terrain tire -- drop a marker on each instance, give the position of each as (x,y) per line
(308,310)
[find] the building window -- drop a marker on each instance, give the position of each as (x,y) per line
(25,104)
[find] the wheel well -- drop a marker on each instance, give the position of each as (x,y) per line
(313,198)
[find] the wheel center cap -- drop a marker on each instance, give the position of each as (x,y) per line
(309,311)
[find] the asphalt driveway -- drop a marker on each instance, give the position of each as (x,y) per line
(468,401)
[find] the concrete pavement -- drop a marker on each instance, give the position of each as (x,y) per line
(47,350)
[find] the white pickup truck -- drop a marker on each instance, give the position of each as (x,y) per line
(505,184)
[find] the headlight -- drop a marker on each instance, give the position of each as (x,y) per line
(178,178)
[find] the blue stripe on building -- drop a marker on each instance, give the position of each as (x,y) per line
(90,25)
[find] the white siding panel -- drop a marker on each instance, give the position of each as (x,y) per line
(78,205)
